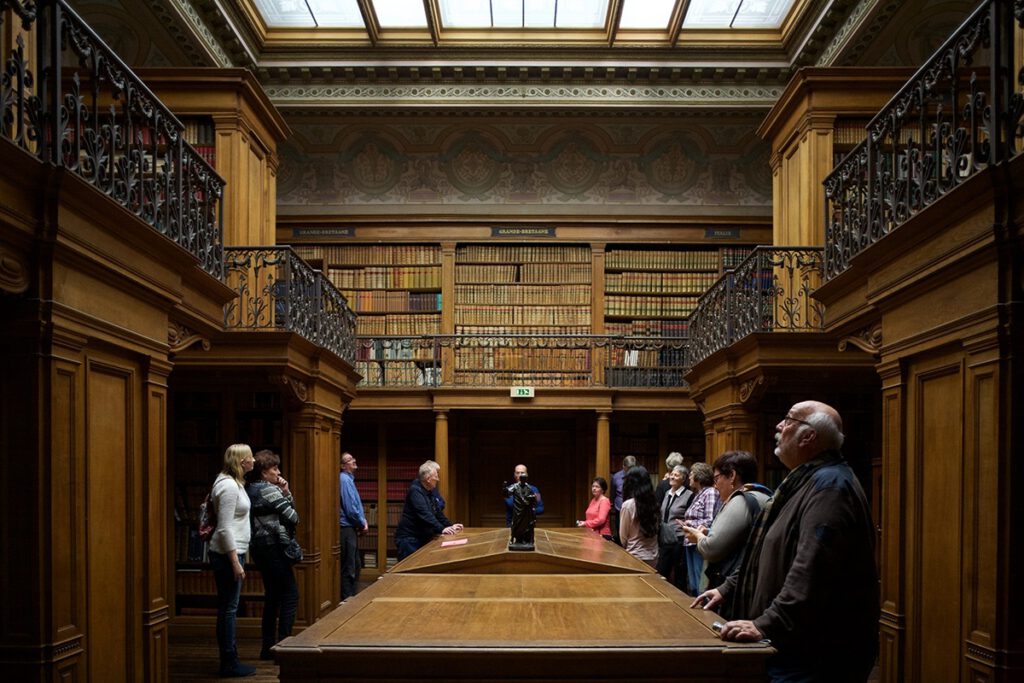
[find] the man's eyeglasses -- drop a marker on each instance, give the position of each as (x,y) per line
(789,418)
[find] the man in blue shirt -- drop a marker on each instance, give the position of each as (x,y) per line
(537,509)
(353,522)
(617,481)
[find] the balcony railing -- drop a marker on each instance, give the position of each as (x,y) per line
(277,290)
(769,291)
(960,114)
(73,103)
(522,360)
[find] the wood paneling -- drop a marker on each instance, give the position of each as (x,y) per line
(109,497)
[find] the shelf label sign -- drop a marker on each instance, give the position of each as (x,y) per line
(521,231)
(521,392)
(721,233)
(324,232)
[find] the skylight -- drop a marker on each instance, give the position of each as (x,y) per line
(653,14)
(498,15)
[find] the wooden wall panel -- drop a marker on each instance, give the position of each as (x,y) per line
(935,495)
(111,584)
(893,540)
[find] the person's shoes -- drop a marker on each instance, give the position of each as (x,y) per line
(238,670)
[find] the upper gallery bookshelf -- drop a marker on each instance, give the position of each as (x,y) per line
(202,135)
(652,291)
(522,289)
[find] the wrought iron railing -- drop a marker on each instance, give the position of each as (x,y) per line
(522,359)
(73,103)
(277,290)
(769,291)
(960,114)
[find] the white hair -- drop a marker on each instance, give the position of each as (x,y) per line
(829,431)
(428,468)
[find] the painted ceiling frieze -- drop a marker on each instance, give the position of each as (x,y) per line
(442,164)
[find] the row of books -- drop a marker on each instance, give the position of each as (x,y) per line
(395,350)
(534,379)
(378,301)
(522,359)
(398,324)
(375,254)
(680,306)
(366,541)
(201,582)
(526,273)
(500,253)
(525,295)
(200,132)
(386,277)
(653,282)
(648,328)
(520,315)
(661,260)
(407,373)
(536,330)
(733,256)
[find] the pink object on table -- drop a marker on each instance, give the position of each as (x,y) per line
(458,541)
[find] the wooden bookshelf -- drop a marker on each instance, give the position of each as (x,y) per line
(653,291)
(201,133)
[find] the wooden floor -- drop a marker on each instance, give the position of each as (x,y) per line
(195,659)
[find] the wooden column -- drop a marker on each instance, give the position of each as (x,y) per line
(600,355)
(603,456)
(447,485)
(447,310)
(892,629)
(314,460)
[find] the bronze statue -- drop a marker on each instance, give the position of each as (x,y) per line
(524,519)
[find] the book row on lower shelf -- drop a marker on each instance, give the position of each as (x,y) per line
(527,273)
(392,324)
(675,306)
(386,277)
(379,301)
(521,315)
(523,295)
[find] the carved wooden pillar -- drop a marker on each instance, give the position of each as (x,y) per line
(447,486)
(313,458)
(603,454)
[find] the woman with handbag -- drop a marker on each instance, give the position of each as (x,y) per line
(671,561)
(273,547)
(722,545)
(228,545)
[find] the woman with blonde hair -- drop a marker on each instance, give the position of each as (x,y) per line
(228,545)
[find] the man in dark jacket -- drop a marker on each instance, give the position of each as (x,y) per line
(808,581)
(422,515)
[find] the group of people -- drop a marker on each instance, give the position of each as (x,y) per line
(255,516)
(794,566)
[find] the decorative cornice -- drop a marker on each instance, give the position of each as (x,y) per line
(868,340)
(842,35)
(196,38)
(524,94)
(180,338)
(867,28)
(14,278)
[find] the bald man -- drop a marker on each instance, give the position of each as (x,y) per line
(808,581)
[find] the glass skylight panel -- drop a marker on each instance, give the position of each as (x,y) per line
(646,13)
(507,13)
(400,13)
(581,13)
(337,13)
(465,13)
(539,13)
(285,13)
(710,13)
(762,13)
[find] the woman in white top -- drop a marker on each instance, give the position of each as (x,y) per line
(227,550)
(638,519)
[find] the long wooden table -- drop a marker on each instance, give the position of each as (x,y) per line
(576,608)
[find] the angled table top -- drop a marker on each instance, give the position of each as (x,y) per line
(477,611)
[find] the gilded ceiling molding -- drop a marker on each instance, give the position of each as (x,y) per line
(868,340)
(13,272)
(676,96)
(195,31)
(848,28)
(180,338)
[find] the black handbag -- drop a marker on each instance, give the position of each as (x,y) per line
(293,551)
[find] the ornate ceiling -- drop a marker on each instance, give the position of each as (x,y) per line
(681,70)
